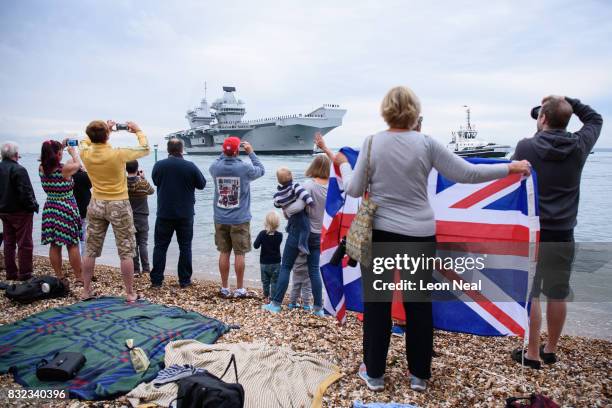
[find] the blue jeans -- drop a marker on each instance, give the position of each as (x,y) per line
(269,276)
(164,229)
(290,253)
(299,224)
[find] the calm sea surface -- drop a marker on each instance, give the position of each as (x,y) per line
(593,221)
(587,319)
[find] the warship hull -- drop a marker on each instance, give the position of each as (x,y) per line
(292,139)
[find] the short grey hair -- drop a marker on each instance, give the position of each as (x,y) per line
(9,150)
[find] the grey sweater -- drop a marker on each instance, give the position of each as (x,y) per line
(400,164)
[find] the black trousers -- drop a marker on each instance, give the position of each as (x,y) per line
(164,229)
(377,325)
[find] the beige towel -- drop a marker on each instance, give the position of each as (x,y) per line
(271,376)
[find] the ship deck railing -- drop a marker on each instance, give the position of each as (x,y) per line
(275,118)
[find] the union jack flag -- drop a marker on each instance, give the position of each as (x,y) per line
(489,219)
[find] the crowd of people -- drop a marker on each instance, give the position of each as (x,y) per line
(101,185)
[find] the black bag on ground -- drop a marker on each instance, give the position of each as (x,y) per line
(206,390)
(63,367)
(35,289)
(535,401)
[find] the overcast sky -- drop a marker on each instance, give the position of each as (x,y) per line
(64,63)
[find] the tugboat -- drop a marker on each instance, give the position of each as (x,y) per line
(286,134)
(465,144)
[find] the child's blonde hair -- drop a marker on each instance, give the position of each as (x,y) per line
(272,221)
(283,175)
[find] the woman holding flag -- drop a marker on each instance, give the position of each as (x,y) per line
(401,159)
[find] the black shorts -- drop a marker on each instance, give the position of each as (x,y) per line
(554,266)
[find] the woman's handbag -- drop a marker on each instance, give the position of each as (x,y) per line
(359,236)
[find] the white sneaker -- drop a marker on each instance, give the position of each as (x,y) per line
(240,293)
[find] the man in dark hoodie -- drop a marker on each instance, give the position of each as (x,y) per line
(557,156)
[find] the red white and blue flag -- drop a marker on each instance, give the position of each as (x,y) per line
(483,216)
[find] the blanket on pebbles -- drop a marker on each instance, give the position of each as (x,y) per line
(98,329)
(271,376)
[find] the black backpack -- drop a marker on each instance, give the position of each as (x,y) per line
(32,290)
(206,390)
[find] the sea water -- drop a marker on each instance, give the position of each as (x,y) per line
(593,219)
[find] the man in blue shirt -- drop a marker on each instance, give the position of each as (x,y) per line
(232,209)
(176,180)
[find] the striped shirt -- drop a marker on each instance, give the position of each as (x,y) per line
(174,373)
(289,193)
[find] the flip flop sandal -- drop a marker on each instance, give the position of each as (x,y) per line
(517,355)
(93,295)
(138,297)
(547,358)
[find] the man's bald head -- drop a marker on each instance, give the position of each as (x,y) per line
(556,112)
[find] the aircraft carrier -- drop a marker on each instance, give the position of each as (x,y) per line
(286,134)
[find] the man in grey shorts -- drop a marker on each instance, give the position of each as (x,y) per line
(558,157)
(232,209)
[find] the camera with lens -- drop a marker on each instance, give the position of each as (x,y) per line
(338,255)
(535,112)
(121,126)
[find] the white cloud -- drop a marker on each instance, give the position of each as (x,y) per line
(148,61)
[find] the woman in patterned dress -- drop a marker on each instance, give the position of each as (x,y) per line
(61,222)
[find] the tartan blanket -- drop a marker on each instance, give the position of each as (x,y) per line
(98,329)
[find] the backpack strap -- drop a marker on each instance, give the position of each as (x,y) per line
(232,360)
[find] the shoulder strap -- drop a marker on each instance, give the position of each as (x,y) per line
(232,360)
(368,163)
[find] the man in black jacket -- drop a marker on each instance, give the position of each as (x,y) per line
(176,180)
(17,207)
(557,157)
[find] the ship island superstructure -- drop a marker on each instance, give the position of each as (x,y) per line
(465,143)
(286,134)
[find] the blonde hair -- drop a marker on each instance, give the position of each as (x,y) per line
(319,167)
(272,221)
(283,175)
(401,108)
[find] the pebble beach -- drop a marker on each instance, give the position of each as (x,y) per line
(468,370)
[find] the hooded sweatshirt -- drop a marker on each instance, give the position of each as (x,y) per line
(232,197)
(558,157)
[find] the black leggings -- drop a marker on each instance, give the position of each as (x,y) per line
(377,325)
